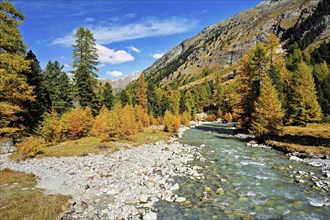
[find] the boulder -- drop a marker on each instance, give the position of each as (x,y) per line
(150,216)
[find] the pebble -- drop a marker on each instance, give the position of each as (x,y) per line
(150,216)
(132,180)
(144,198)
(180,199)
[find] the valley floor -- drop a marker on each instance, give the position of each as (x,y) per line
(125,184)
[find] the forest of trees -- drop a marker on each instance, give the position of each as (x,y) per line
(272,89)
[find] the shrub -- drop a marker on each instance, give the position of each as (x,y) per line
(51,128)
(210,117)
(219,113)
(77,122)
(185,118)
(229,117)
(157,121)
(102,125)
(142,118)
(31,147)
(171,122)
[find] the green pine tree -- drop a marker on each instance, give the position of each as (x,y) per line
(124,98)
(108,96)
(321,75)
(153,108)
(35,110)
(58,86)
(85,61)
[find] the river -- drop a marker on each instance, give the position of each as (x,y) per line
(242,182)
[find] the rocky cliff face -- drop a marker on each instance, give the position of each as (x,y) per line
(221,45)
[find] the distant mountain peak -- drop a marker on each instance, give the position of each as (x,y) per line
(122,83)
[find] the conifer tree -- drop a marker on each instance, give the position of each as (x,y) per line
(124,98)
(321,75)
(142,92)
(114,122)
(14,88)
(108,96)
(34,110)
(268,115)
(275,76)
(85,61)
(245,105)
(128,125)
(153,108)
(272,43)
(173,98)
(304,107)
(58,86)
(219,92)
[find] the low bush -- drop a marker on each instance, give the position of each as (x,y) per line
(78,122)
(51,128)
(229,117)
(171,122)
(30,147)
(185,118)
(210,117)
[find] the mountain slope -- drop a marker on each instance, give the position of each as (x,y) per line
(120,84)
(221,45)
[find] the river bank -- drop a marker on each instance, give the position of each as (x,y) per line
(246,182)
(125,184)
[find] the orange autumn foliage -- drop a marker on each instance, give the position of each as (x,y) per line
(77,122)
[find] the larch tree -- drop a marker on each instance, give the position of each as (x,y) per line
(14,88)
(108,96)
(141,93)
(304,107)
(245,105)
(84,61)
(272,44)
(268,115)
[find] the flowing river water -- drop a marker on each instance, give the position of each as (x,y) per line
(242,182)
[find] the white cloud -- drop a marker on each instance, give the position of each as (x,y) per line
(134,49)
(90,19)
(157,55)
(115,73)
(107,55)
(147,27)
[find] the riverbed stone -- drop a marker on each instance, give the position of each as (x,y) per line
(144,198)
(180,199)
(125,177)
(150,216)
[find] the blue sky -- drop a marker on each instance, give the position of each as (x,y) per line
(130,35)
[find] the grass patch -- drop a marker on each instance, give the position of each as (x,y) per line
(290,148)
(311,130)
(93,145)
(149,135)
(21,200)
